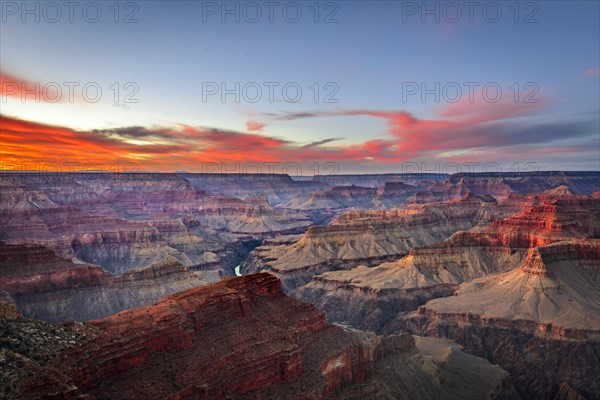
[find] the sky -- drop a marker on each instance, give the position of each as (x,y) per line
(300,87)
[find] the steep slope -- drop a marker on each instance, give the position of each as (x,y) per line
(369,237)
(241,338)
(540,321)
(47,287)
(375,296)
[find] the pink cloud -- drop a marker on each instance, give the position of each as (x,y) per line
(457,131)
(592,72)
(254,126)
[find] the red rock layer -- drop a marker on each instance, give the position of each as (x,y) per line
(241,338)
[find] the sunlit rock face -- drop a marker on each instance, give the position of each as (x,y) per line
(518,290)
(540,321)
(367,237)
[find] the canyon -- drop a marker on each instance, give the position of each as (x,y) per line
(353,286)
(240,338)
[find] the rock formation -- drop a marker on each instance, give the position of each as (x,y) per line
(389,195)
(47,287)
(241,338)
(526,284)
(376,296)
(502,184)
(277,188)
(506,265)
(368,237)
(540,321)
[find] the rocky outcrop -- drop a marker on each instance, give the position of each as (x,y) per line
(277,188)
(540,321)
(371,298)
(367,237)
(377,180)
(47,287)
(241,338)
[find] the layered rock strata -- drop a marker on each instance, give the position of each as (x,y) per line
(540,321)
(367,237)
(376,296)
(47,287)
(241,338)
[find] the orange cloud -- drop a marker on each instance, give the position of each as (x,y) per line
(461,131)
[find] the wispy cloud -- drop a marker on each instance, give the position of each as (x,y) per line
(458,132)
(254,126)
(321,142)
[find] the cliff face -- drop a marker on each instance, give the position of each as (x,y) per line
(241,338)
(376,296)
(367,237)
(277,188)
(47,287)
(502,185)
(540,321)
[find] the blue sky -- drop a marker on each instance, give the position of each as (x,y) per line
(375,48)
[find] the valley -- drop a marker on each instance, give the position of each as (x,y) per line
(334,281)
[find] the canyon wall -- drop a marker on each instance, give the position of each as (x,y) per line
(241,338)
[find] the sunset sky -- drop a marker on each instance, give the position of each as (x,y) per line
(158,74)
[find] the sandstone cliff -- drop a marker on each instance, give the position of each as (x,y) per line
(241,338)
(47,287)
(367,237)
